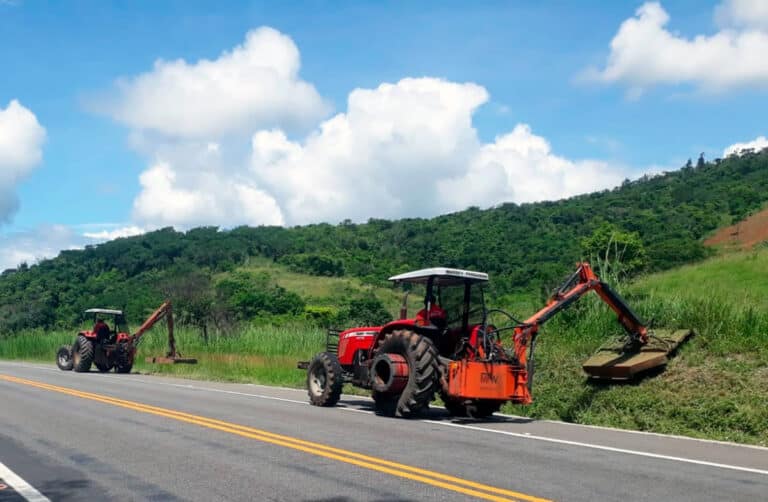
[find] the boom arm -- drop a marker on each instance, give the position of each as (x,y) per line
(164,311)
(579,283)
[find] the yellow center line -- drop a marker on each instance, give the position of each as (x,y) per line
(432,478)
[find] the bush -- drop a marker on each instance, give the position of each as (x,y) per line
(248,295)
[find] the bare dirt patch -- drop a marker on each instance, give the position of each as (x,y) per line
(744,234)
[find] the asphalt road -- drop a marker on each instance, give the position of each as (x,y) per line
(135,437)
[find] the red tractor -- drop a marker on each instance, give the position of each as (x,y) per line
(451,349)
(110,347)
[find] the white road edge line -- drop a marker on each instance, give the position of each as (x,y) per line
(526,435)
(22,487)
(601,447)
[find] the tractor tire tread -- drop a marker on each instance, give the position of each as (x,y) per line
(334,375)
(422,384)
(84,348)
(64,350)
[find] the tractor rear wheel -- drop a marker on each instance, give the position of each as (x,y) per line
(324,380)
(64,358)
(423,374)
(82,354)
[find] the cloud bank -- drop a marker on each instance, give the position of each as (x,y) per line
(645,53)
(756,144)
(21,143)
(223,147)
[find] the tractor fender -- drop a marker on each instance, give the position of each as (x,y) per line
(88,334)
(409,324)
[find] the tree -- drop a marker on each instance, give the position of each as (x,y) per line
(191,293)
(367,311)
(614,252)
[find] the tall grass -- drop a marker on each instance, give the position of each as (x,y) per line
(717,384)
(261,354)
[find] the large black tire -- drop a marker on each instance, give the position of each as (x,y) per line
(103,367)
(472,408)
(64,358)
(82,354)
(324,380)
(423,374)
(124,364)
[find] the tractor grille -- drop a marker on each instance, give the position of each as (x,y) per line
(332,341)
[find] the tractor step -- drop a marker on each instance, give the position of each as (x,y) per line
(171,360)
(613,362)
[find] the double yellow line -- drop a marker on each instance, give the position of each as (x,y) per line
(425,476)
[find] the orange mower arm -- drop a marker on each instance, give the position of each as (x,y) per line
(579,283)
(163,311)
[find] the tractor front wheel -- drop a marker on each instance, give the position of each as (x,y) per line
(423,374)
(64,358)
(324,380)
(82,354)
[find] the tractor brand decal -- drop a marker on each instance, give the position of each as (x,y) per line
(489,378)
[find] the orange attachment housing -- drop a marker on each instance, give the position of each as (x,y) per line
(488,380)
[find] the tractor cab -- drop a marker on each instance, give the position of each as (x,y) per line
(453,304)
(106,325)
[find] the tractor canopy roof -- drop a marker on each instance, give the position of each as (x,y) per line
(443,276)
(104,311)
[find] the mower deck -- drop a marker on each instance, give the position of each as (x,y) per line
(614,363)
(171,360)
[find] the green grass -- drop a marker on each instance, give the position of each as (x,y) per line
(264,354)
(716,386)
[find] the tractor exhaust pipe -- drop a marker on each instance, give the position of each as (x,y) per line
(390,373)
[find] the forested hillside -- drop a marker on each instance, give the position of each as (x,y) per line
(659,221)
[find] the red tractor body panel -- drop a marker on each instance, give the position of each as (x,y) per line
(352,340)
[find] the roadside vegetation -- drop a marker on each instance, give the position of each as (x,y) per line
(715,387)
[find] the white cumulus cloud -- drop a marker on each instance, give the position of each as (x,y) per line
(743,13)
(31,246)
(521,167)
(189,198)
(410,149)
(21,141)
(401,149)
(756,144)
(644,53)
(108,235)
(256,84)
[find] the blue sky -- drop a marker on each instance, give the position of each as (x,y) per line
(481,70)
